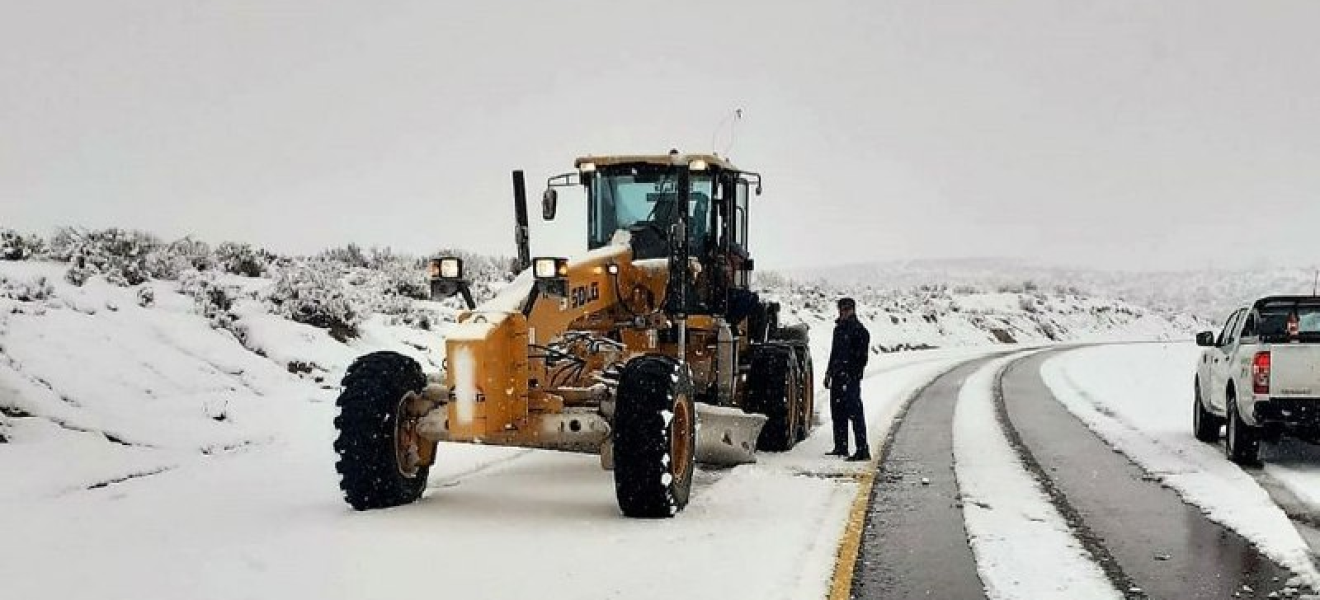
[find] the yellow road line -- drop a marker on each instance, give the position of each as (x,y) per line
(850,544)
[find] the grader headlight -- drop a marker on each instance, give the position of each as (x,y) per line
(449,267)
(446,275)
(551,275)
(550,268)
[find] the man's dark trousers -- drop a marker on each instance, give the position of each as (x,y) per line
(846,405)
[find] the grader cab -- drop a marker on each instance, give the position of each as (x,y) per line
(648,349)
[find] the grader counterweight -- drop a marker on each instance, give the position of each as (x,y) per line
(649,349)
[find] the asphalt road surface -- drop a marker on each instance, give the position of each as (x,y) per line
(1147,540)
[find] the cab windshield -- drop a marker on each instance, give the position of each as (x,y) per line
(631,198)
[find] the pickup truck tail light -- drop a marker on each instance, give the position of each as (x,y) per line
(1260,373)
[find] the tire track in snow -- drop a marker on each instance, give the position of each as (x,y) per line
(458,478)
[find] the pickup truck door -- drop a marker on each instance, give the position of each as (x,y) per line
(1220,360)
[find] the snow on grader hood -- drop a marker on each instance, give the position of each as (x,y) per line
(587,355)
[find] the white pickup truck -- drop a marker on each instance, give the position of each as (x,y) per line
(1260,376)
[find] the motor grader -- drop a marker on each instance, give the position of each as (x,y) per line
(648,349)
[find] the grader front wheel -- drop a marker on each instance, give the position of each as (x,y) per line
(383,462)
(654,438)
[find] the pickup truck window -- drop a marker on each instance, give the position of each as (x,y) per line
(1249,328)
(1226,336)
(1304,316)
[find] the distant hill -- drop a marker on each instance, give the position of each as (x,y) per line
(1206,294)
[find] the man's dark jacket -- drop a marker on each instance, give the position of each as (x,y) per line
(850,350)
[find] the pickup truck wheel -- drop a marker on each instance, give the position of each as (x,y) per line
(1205,424)
(1242,444)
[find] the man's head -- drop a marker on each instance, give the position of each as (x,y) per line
(847,307)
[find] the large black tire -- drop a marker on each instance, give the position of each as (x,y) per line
(370,471)
(1242,444)
(1205,424)
(799,338)
(773,386)
(654,438)
(807,393)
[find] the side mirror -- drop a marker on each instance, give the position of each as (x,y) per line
(549,202)
(1205,339)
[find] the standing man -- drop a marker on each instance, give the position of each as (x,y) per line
(848,357)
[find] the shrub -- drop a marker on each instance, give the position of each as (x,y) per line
(118,254)
(146,297)
(26,290)
(350,256)
(16,246)
(77,275)
(312,294)
(243,259)
(172,260)
(211,298)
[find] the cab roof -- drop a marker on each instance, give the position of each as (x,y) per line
(655,159)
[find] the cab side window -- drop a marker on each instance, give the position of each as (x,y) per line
(1249,327)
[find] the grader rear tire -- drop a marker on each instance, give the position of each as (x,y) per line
(654,438)
(773,389)
(807,388)
(373,471)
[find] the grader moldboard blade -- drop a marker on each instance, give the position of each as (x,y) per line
(727,436)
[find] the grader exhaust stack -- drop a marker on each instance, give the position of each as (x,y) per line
(521,231)
(648,349)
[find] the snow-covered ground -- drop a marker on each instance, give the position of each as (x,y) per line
(1139,398)
(1024,548)
(172,438)
(149,454)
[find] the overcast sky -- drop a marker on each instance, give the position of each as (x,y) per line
(1123,134)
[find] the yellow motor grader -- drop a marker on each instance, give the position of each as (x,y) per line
(649,349)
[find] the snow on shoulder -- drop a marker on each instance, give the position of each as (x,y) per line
(1023,547)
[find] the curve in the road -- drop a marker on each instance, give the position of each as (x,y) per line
(1149,541)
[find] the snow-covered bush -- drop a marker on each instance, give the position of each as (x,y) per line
(212,299)
(350,256)
(243,259)
(1028,304)
(78,275)
(26,290)
(16,246)
(146,297)
(171,260)
(311,293)
(118,254)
